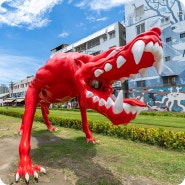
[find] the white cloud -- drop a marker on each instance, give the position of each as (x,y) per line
(64,34)
(31,13)
(98,5)
(94,19)
(15,68)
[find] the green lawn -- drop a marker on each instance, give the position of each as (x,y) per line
(111,162)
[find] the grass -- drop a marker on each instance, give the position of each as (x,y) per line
(111,162)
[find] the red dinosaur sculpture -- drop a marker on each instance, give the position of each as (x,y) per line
(89,78)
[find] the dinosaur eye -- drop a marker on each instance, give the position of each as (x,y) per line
(96,84)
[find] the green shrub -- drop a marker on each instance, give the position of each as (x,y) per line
(158,137)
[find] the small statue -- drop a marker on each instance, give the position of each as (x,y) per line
(89,79)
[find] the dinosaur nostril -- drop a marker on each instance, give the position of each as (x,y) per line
(96,84)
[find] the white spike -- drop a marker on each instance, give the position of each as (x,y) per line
(89,94)
(120,61)
(159,66)
(149,47)
(27,177)
(98,72)
(139,109)
(102,102)
(109,103)
(107,67)
(95,99)
(113,53)
(143,72)
(126,107)
(118,105)
(137,50)
(42,170)
(17,177)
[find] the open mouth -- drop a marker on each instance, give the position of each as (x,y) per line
(117,104)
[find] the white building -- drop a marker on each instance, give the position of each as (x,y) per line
(102,40)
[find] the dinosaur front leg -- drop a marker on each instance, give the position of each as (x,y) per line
(26,168)
(85,125)
(45,113)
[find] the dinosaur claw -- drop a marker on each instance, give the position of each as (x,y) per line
(42,170)
(36,176)
(17,177)
(27,178)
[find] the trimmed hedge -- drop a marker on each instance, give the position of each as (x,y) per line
(159,137)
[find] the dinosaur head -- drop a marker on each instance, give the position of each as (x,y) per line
(121,63)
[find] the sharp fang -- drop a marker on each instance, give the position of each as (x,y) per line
(89,94)
(107,67)
(159,66)
(109,103)
(102,102)
(137,50)
(118,105)
(143,72)
(149,47)
(95,99)
(126,107)
(98,72)
(120,61)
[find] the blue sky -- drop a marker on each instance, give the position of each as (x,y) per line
(29,29)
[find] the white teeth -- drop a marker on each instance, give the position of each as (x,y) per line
(126,107)
(137,50)
(149,46)
(120,61)
(118,105)
(98,72)
(89,94)
(109,103)
(102,102)
(95,99)
(159,66)
(143,72)
(107,67)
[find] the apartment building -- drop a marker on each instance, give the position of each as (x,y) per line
(166,91)
(98,42)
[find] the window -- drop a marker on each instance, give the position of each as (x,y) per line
(169,39)
(165,20)
(182,35)
(169,80)
(180,13)
(139,11)
(112,34)
(93,43)
(141,83)
(167,58)
(140,28)
(104,38)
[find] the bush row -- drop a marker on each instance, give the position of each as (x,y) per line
(159,137)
